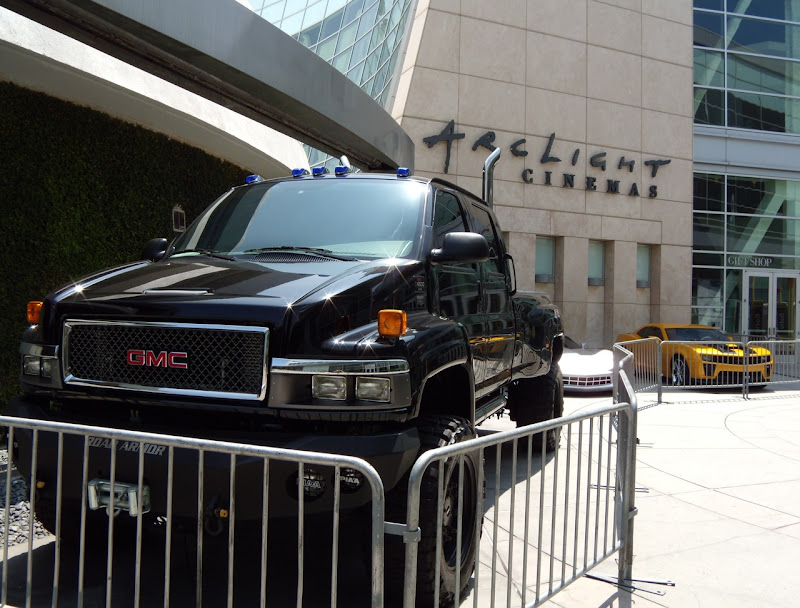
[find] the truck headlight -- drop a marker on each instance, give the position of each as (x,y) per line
(34,365)
(373,389)
(329,387)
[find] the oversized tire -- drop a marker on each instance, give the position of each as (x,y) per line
(537,399)
(680,371)
(434,432)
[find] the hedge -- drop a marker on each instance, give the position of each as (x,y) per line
(81,191)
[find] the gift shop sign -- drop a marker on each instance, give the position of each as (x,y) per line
(550,157)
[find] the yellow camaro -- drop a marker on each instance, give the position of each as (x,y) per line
(697,354)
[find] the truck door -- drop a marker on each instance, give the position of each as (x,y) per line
(459,296)
(495,302)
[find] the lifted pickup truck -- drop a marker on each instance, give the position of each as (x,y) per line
(373,315)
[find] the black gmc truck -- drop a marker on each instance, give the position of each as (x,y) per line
(373,315)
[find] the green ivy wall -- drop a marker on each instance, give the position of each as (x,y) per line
(81,191)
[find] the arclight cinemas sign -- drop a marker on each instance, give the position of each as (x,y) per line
(563,178)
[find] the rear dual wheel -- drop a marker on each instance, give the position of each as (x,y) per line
(535,400)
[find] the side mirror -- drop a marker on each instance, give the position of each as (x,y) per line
(461,247)
(154,249)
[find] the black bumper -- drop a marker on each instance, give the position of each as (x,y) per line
(391,454)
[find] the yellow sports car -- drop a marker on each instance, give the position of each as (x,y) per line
(697,354)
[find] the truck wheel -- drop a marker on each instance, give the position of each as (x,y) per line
(438,431)
(538,399)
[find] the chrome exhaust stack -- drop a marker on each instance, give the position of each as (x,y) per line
(488,177)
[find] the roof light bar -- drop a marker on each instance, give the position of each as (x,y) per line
(253,179)
(403,171)
(341,170)
(299,172)
(319,171)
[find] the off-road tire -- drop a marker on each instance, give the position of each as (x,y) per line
(534,400)
(434,432)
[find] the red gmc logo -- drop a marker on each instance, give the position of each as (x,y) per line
(161,359)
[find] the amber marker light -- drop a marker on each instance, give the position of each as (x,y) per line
(391,323)
(34,310)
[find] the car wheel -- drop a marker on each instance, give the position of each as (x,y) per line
(680,371)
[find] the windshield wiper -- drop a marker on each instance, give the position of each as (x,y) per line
(314,250)
(209,252)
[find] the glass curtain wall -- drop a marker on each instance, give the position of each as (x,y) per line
(741,224)
(360,38)
(747,64)
(746,76)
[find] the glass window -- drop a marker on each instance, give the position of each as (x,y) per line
(715,5)
(709,232)
(309,37)
(314,14)
(347,36)
(352,11)
(763,112)
(342,61)
(708,30)
(643,266)
(763,235)
(709,192)
(331,24)
(360,218)
(360,49)
(707,316)
(325,49)
(367,19)
(763,196)
(707,284)
(597,262)
(761,74)
(733,301)
(707,259)
(482,224)
(709,68)
(772,9)
(355,73)
(447,217)
(709,107)
(763,37)
(545,265)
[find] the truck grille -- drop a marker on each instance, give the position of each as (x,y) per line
(170,358)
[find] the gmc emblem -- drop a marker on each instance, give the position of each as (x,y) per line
(161,359)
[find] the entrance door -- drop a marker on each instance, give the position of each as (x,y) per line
(770,305)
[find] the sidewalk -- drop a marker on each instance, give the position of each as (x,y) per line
(718,493)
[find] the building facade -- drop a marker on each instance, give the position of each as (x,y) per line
(628,195)
(746,245)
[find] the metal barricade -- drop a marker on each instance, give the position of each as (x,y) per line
(784,356)
(547,518)
(113,470)
(645,373)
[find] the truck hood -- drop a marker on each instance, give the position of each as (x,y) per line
(203,289)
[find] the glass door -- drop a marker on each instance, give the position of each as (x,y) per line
(770,305)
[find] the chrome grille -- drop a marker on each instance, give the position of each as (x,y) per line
(207,360)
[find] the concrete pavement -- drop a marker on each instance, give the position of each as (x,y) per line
(718,493)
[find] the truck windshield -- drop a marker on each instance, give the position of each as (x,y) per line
(354,217)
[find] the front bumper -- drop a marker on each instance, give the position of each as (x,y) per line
(392,454)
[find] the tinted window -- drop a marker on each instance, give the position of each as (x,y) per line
(364,218)
(482,224)
(447,217)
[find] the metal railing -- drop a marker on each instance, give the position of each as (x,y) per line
(537,520)
(668,366)
(547,518)
(121,554)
